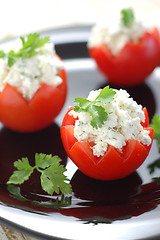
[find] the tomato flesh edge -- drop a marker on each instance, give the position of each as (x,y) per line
(68,119)
(146,122)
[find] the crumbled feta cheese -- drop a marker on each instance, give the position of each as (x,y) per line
(114,34)
(27,74)
(122,124)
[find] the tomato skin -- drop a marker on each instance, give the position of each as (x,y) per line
(113,164)
(133,63)
(22,115)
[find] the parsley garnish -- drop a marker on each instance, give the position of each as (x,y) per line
(98,113)
(127,17)
(52,173)
(156,126)
(157,179)
(29,47)
(152,167)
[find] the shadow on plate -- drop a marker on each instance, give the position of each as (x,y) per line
(106,201)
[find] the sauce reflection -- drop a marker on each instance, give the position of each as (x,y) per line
(105,201)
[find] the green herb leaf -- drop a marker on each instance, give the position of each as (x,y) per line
(152,167)
(52,173)
(98,115)
(97,112)
(2,54)
(22,164)
(53,180)
(82,102)
(11,61)
(127,17)
(155,124)
(43,161)
(106,95)
(22,174)
(156,179)
(29,48)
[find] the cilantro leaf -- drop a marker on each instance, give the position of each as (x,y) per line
(2,54)
(155,124)
(83,103)
(43,161)
(156,179)
(152,167)
(97,112)
(23,173)
(98,116)
(52,173)
(53,180)
(127,17)
(22,164)
(28,49)
(11,60)
(30,45)
(106,95)
(19,177)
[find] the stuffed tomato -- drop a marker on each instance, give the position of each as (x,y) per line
(125,50)
(107,135)
(33,85)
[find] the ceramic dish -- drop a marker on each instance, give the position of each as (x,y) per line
(124,209)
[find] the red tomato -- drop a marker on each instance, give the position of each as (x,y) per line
(146,123)
(20,114)
(113,164)
(133,63)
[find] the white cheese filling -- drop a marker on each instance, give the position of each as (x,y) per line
(122,124)
(114,34)
(27,74)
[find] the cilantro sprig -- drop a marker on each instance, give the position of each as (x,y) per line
(97,112)
(28,49)
(52,173)
(127,17)
(155,124)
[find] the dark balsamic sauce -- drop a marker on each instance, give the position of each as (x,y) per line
(92,200)
(96,201)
